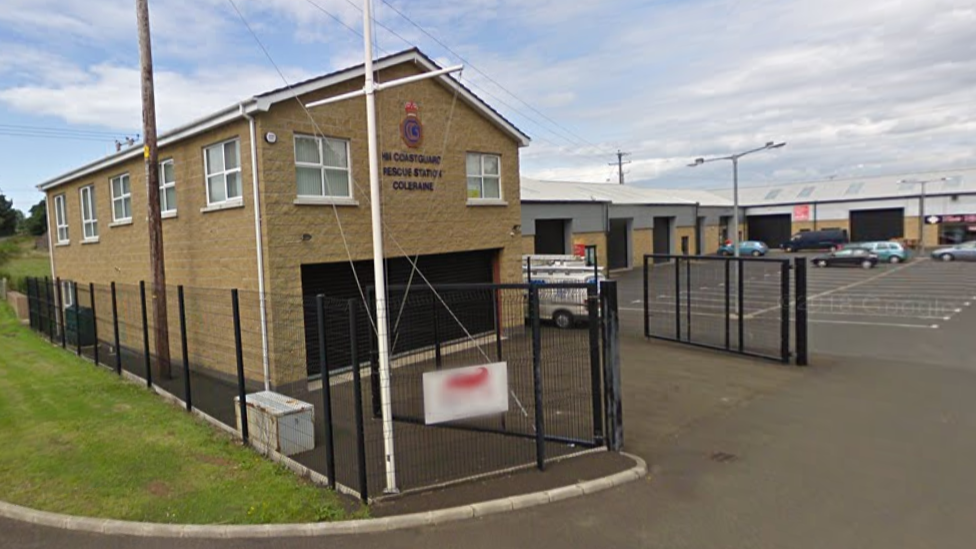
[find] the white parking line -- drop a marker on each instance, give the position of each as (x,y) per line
(886,324)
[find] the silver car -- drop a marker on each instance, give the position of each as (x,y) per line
(963,252)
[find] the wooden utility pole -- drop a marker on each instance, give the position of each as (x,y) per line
(620,165)
(151,154)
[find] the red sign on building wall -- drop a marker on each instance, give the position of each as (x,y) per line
(801,213)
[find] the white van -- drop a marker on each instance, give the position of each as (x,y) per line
(564,306)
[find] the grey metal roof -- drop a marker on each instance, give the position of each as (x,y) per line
(960,181)
(537,190)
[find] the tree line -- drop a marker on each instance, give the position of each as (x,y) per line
(14,221)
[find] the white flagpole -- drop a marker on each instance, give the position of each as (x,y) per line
(379,275)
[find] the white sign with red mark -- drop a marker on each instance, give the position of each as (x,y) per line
(463,393)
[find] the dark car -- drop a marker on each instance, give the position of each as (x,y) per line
(853,257)
(827,239)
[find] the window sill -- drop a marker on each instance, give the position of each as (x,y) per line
(121,223)
(229,205)
(486,202)
(168,215)
(62,244)
(325,201)
(89,241)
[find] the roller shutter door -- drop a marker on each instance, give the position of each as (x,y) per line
(550,236)
(868,225)
(415,328)
(774,230)
(618,251)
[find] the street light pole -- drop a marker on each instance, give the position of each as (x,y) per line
(921,208)
(735,184)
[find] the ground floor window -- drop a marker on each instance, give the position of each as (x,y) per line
(957,233)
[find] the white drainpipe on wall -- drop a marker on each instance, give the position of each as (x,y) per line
(50,239)
(260,248)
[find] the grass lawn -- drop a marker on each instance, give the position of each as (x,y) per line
(76,439)
(25,261)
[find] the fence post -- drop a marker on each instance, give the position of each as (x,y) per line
(241,389)
(145,333)
(647,297)
(596,385)
(115,329)
(688,298)
(740,305)
(614,432)
(358,402)
(91,295)
(540,434)
(187,395)
(437,336)
(52,308)
(785,311)
(528,269)
(64,338)
(728,303)
(677,298)
(326,392)
(77,308)
(800,278)
(42,307)
(496,304)
(30,303)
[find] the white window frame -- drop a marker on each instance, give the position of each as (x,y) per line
(164,207)
(67,294)
(122,197)
(320,142)
(87,198)
(481,175)
(207,175)
(61,218)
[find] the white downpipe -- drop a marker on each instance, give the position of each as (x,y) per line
(260,248)
(50,239)
(382,330)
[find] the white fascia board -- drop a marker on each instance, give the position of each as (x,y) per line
(182,132)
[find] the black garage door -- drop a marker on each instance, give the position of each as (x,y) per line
(618,251)
(415,329)
(662,237)
(774,230)
(867,225)
(550,236)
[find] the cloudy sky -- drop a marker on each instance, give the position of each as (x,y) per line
(854,87)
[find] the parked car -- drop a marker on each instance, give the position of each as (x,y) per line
(887,252)
(754,248)
(963,252)
(828,239)
(853,257)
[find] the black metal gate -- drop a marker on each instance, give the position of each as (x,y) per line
(740,305)
(562,394)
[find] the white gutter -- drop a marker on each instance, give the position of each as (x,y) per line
(50,238)
(260,248)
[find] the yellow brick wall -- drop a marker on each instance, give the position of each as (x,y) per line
(643,240)
(528,244)
(710,239)
(594,239)
(911,232)
(680,233)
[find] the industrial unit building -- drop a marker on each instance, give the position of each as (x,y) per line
(623,222)
(266,196)
(869,208)
(626,222)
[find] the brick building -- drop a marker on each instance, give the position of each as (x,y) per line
(267,195)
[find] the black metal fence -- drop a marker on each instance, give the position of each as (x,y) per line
(563,383)
(744,305)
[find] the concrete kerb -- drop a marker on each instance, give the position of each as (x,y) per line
(442,516)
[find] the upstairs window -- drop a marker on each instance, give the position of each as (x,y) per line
(322,167)
(223,167)
(61,219)
(89,219)
(167,187)
(484,176)
(121,199)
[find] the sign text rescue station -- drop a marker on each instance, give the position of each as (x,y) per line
(412,170)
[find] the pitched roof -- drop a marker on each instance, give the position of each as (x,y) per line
(961,181)
(262,102)
(536,190)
